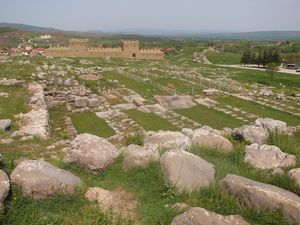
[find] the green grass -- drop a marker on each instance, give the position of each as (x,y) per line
(210,117)
(14,104)
(260,110)
(290,81)
(144,89)
(88,122)
(150,121)
(224,58)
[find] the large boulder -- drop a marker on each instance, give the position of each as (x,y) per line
(186,171)
(251,134)
(4,188)
(168,140)
(175,101)
(200,216)
(135,155)
(207,138)
(39,179)
(271,125)
(295,174)
(119,201)
(261,197)
(91,152)
(5,124)
(268,157)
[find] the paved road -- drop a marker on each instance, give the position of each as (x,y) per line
(281,70)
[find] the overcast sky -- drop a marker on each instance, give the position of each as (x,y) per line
(230,15)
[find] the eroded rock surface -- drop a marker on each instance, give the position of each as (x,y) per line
(186,171)
(260,196)
(268,157)
(91,152)
(175,101)
(4,188)
(39,179)
(200,216)
(251,134)
(271,125)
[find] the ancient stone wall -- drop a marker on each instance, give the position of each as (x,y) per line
(129,50)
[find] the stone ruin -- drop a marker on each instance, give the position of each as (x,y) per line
(130,50)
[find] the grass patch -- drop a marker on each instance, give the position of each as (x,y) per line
(88,122)
(260,110)
(224,58)
(150,121)
(210,117)
(144,89)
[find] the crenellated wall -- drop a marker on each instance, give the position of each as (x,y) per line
(79,48)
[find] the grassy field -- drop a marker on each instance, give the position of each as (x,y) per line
(144,89)
(260,110)
(88,122)
(210,117)
(150,121)
(224,58)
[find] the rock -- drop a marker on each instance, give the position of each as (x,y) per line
(156,108)
(175,101)
(39,179)
(261,197)
(207,138)
(6,141)
(179,206)
(271,125)
(93,102)
(69,82)
(135,155)
(81,102)
(200,216)
(168,140)
(295,174)
(4,188)
(277,171)
(119,201)
(206,102)
(268,157)
(187,172)
(210,91)
(89,77)
(5,124)
(251,134)
(91,152)
(124,106)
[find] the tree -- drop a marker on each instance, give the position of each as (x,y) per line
(271,69)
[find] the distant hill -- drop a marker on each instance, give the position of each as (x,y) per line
(206,34)
(29,28)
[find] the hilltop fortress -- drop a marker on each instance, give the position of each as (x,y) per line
(80,48)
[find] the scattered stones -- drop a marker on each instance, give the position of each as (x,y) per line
(268,157)
(124,106)
(251,134)
(158,109)
(168,139)
(119,201)
(12,82)
(271,125)
(69,82)
(175,101)
(200,216)
(89,77)
(86,62)
(39,179)
(81,102)
(295,174)
(261,197)
(208,139)
(91,152)
(4,94)
(135,155)
(210,92)
(4,187)
(5,124)
(187,172)
(206,102)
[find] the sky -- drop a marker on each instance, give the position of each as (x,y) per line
(223,15)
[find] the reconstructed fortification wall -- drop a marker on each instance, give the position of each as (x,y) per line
(79,48)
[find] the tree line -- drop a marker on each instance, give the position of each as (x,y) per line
(261,58)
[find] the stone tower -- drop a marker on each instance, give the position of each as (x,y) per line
(131,47)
